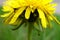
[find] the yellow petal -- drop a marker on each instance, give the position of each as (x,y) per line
(51,10)
(50,18)
(7,20)
(51,5)
(7,8)
(55,19)
(46,1)
(42,17)
(17,14)
(12,3)
(6,15)
(27,13)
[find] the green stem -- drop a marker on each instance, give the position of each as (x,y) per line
(29,31)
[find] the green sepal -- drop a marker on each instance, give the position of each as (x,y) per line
(19,25)
(37,25)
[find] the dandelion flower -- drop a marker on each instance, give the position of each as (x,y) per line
(29,11)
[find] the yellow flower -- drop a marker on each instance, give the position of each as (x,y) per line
(29,10)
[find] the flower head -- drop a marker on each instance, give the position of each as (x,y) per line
(30,11)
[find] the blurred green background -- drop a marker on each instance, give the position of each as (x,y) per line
(6,32)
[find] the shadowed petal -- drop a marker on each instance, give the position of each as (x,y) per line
(17,14)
